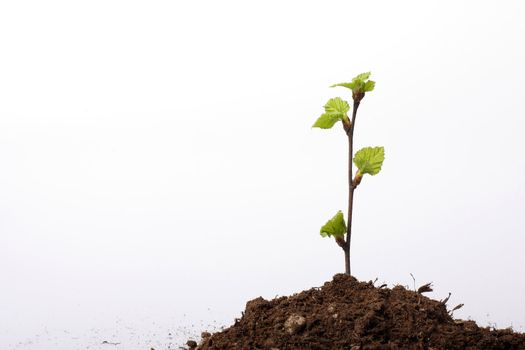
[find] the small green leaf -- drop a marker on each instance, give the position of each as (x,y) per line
(369,160)
(359,83)
(337,105)
(335,110)
(335,226)
(369,86)
(327,120)
(358,86)
(346,85)
(362,76)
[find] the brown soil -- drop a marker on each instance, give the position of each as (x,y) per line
(353,315)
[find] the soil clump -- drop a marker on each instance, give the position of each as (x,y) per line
(347,314)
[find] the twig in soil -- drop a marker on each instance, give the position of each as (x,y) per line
(444,301)
(413,279)
(457,307)
(425,288)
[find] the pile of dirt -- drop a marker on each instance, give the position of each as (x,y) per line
(353,315)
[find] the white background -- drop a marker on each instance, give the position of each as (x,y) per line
(157,158)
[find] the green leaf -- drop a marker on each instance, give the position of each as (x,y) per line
(335,110)
(327,120)
(362,76)
(369,86)
(337,105)
(359,83)
(335,226)
(369,160)
(346,85)
(358,86)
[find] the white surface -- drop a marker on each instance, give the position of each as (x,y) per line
(157,157)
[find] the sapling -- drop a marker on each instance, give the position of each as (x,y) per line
(368,160)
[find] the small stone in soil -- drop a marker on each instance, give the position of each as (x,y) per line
(294,324)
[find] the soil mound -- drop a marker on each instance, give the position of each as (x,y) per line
(352,315)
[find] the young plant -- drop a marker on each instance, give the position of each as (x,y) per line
(368,160)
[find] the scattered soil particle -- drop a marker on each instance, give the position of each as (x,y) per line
(348,314)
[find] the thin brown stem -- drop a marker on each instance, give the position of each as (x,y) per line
(351,188)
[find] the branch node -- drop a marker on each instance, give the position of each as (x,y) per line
(340,242)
